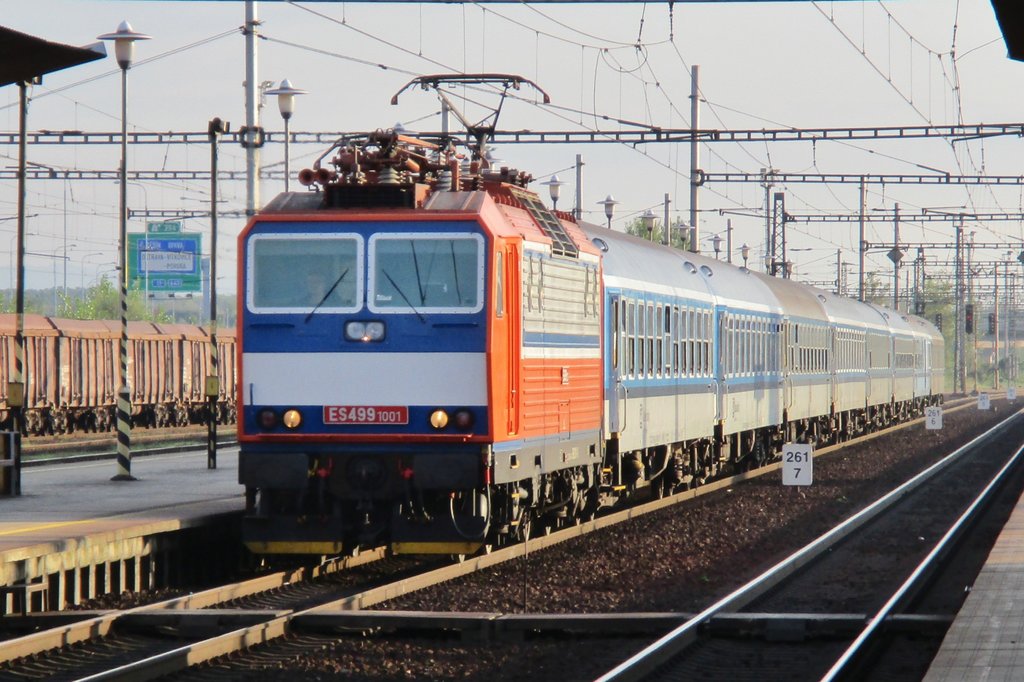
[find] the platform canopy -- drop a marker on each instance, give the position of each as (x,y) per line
(24,57)
(1010,15)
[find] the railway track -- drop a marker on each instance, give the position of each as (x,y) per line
(136,645)
(86,642)
(810,617)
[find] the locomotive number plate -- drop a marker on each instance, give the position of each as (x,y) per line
(366,414)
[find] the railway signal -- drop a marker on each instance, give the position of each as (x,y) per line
(969,319)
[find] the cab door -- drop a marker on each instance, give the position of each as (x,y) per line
(508,279)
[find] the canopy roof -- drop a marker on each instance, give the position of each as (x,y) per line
(1010,15)
(24,57)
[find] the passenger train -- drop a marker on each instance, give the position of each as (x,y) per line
(478,364)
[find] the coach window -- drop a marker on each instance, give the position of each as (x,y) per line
(642,359)
(729,343)
(279,266)
(658,340)
(705,345)
(651,332)
(698,343)
(746,346)
(623,338)
(616,333)
(672,337)
(631,334)
(688,342)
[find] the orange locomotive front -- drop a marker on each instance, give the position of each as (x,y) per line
(438,386)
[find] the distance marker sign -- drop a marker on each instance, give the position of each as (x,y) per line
(933,417)
(797,464)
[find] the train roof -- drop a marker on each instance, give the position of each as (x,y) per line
(36,324)
(797,300)
(898,323)
(925,327)
(848,311)
(42,325)
(733,286)
(631,262)
(505,209)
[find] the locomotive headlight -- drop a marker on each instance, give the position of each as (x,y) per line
(355,331)
(364,331)
(291,419)
(439,419)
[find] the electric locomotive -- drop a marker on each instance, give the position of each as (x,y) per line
(445,388)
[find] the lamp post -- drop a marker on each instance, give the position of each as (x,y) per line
(648,218)
(124,47)
(554,189)
(144,246)
(286,105)
(609,208)
(745,252)
(716,244)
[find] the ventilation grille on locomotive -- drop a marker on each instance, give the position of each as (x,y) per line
(561,243)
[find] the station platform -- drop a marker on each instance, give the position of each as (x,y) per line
(74,534)
(986,640)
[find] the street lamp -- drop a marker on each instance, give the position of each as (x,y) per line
(648,218)
(716,244)
(609,208)
(745,252)
(286,105)
(554,189)
(124,47)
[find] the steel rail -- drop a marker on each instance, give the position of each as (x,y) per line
(924,570)
(98,626)
(664,649)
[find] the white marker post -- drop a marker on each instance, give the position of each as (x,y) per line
(797,464)
(983,401)
(933,418)
(1011,394)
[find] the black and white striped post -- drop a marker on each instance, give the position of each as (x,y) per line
(124,46)
(16,388)
(215,129)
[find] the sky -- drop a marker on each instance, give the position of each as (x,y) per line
(762,65)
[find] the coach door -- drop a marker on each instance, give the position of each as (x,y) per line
(617,396)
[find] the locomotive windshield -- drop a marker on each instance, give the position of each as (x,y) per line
(299,273)
(426,273)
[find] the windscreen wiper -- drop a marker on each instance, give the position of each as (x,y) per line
(404,297)
(325,296)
